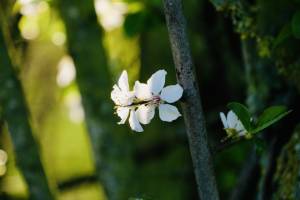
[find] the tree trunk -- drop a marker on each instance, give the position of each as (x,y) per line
(111,150)
(16,115)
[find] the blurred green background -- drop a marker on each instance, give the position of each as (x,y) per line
(68,54)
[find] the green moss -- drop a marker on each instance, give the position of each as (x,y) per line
(288,165)
(291,72)
(264,46)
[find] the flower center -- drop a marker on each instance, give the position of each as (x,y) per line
(156,99)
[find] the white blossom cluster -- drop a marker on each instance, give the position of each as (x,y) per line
(140,103)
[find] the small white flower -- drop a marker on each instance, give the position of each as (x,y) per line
(140,103)
(122,97)
(232,124)
(155,95)
(121,94)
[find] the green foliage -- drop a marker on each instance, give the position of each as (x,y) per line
(287,170)
(223,4)
(296,24)
(142,21)
(264,46)
(284,34)
(242,16)
(270,116)
(135,23)
(146,2)
(16,115)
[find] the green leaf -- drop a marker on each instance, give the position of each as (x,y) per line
(270,116)
(141,21)
(296,25)
(242,112)
(284,34)
(135,23)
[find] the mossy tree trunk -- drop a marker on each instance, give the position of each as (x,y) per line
(110,148)
(16,115)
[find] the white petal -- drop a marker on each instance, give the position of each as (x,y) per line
(142,91)
(121,98)
(168,112)
(239,126)
(171,93)
(127,98)
(223,119)
(123,113)
(232,119)
(145,113)
(134,123)
(115,94)
(123,81)
(157,81)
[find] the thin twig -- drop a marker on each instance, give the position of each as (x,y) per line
(191,106)
(226,145)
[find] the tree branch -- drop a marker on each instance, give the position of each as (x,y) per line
(227,144)
(191,105)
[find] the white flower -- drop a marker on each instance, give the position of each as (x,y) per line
(122,97)
(140,103)
(155,95)
(121,94)
(232,124)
